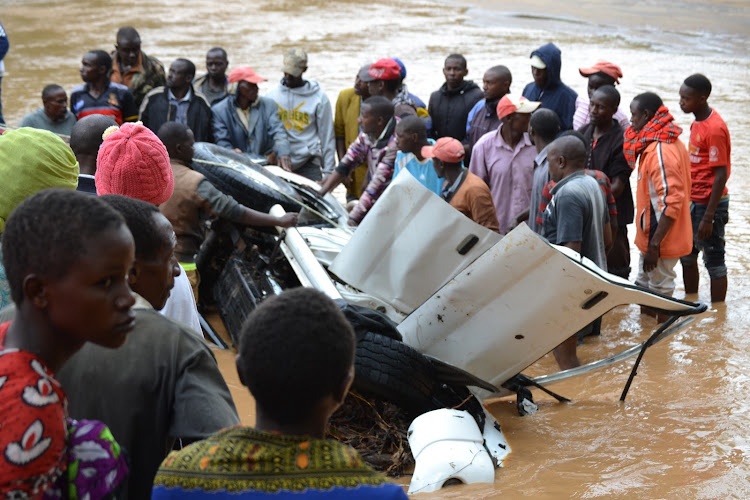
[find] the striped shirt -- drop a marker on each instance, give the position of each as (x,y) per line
(116,101)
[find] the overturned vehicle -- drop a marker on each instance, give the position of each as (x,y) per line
(446,312)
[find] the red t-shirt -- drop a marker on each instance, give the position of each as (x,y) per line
(709,148)
(33,423)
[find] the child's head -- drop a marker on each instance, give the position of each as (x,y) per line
(155,266)
(133,162)
(411,134)
(179,140)
(67,256)
(296,355)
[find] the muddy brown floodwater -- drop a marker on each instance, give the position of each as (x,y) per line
(684,429)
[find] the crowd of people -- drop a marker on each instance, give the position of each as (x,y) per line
(82,273)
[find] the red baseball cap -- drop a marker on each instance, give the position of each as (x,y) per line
(605,67)
(513,103)
(245,74)
(385,69)
(447,149)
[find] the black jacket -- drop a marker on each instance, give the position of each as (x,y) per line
(156,111)
(449,109)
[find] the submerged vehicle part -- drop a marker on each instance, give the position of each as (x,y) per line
(473,310)
(447,444)
(502,292)
(426,243)
(507,302)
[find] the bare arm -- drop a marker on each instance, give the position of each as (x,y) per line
(519,219)
(618,186)
(706,226)
(330,182)
(654,246)
(573,245)
(340,147)
(252,217)
(609,238)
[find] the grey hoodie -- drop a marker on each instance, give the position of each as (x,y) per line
(306,114)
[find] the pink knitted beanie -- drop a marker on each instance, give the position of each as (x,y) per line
(133,162)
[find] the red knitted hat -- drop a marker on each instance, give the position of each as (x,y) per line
(133,162)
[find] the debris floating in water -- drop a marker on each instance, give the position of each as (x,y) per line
(377,430)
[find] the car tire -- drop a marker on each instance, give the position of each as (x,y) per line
(238,176)
(391,370)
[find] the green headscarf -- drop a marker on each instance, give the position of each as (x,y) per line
(32,160)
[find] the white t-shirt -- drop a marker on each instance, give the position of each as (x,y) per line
(181,306)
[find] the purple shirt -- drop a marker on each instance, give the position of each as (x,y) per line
(507,171)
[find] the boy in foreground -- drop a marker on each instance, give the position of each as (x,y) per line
(163,386)
(296,355)
(67,257)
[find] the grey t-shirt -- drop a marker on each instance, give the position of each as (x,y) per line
(211,94)
(163,384)
(578,212)
(38,119)
(540,179)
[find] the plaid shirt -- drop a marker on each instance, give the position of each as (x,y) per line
(604,184)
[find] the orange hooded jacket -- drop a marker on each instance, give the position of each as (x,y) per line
(664,188)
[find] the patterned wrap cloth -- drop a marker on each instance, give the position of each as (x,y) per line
(660,128)
(43,453)
(96,464)
(244,463)
(33,429)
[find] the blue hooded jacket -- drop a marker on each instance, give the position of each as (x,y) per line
(555,95)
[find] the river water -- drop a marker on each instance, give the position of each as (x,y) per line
(684,430)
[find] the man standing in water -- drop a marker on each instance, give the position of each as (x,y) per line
(450,105)
(504,159)
(575,217)
(214,83)
(600,74)
(710,151)
(604,143)
(483,116)
(663,231)
(305,112)
(547,86)
(543,129)
(134,69)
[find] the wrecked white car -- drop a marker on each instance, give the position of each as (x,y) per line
(468,310)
